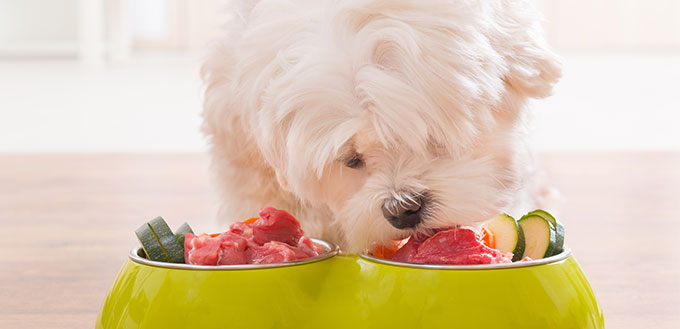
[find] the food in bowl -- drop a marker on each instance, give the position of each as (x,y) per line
(160,243)
(275,236)
(370,292)
(457,246)
(502,240)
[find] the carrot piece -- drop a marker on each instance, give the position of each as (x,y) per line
(386,251)
(488,238)
(214,235)
(377,251)
(251,220)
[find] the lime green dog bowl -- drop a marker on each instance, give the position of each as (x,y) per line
(349,291)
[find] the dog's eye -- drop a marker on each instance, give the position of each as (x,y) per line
(355,161)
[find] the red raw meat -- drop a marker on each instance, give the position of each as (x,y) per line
(407,251)
(456,246)
(275,237)
(242,229)
(276,225)
(245,231)
(201,249)
(232,248)
(307,247)
(272,252)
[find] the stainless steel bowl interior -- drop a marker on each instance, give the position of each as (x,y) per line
(329,250)
(552,259)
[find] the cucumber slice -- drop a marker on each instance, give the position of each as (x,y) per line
(539,236)
(179,234)
(509,235)
(150,244)
(557,225)
(167,240)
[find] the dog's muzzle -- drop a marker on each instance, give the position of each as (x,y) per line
(405,213)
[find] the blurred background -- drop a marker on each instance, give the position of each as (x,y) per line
(111,76)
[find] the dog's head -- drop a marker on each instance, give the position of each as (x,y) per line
(401,116)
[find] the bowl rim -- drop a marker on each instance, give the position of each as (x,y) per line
(331,250)
(566,252)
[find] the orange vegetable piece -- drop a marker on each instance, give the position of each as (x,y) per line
(251,220)
(488,238)
(210,235)
(377,251)
(386,252)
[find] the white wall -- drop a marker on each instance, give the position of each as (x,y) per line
(619,91)
(49,27)
(571,26)
(149,19)
(37,20)
(35,24)
(151,104)
(612,25)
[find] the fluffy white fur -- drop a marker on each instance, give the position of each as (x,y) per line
(431,93)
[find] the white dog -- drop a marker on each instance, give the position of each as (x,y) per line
(371,120)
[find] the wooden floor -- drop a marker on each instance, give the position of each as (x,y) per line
(67,223)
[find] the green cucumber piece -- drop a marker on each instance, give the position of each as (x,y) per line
(167,240)
(150,244)
(509,235)
(179,234)
(557,225)
(539,236)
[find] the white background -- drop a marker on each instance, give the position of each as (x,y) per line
(620,91)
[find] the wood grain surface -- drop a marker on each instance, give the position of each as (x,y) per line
(67,222)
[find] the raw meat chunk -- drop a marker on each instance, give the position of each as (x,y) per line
(275,237)
(276,225)
(457,246)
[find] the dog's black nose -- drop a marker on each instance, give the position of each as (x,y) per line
(405,213)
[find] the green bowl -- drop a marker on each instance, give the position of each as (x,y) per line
(350,291)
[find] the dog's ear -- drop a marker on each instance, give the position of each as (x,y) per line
(533,68)
(272,146)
